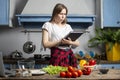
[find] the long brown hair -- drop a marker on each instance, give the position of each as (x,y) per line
(57,9)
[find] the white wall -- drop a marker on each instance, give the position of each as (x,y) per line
(13,39)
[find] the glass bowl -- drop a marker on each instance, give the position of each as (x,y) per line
(26,64)
(104,70)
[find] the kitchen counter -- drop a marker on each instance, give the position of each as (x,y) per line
(43,61)
(113,74)
(39,63)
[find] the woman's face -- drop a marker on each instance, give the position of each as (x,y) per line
(61,16)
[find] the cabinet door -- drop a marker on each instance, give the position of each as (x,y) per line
(4,12)
(111,13)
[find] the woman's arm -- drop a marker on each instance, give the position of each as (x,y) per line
(46,42)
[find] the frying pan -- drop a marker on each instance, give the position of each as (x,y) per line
(28,46)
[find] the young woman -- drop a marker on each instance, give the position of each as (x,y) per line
(53,33)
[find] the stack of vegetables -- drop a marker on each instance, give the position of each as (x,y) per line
(54,69)
(71,72)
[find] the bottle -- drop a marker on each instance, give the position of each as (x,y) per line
(92,54)
(79,54)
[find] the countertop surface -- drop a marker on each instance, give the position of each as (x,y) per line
(113,74)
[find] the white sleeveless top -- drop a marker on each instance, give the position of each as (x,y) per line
(56,33)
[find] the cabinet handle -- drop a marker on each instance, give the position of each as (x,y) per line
(118,22)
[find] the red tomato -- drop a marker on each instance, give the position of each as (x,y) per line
(92,62)
(86,71)
(79,72)
(68,74)
(63,74)
(74,74)
(71,69)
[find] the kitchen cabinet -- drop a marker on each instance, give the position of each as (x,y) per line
(109,13)
(8,66)
(4,12)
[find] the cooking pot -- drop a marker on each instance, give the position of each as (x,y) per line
(37,56)
(16,54)
(29,47)
(41,56)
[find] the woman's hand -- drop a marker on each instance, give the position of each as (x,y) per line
(66,41)
(70,42)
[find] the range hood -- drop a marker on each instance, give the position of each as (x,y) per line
(32,17)
(37,20)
